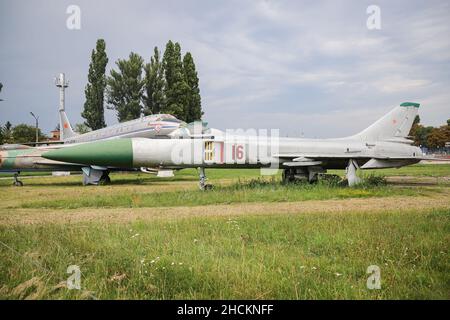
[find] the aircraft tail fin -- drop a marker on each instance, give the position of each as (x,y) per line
(65,128)
(395,124)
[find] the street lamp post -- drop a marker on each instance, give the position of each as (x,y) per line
(37,126)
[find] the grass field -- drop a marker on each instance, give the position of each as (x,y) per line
(148,238)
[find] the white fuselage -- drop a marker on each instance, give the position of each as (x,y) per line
(238,151)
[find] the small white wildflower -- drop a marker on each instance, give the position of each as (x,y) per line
(153,261)
(338,274)
(142,261)
(181,263)
(314,268)
(302,267)
(172,263)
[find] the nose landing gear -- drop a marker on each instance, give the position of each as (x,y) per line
(17,182)
(202,183)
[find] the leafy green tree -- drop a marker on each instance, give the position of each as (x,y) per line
(153,98)
(448,122)
(23,133)
(176,89)
(7,132)
(193,109)
(438,137)
(125,87)
(94,111)
(2,137)
(81,128)
(169,65)
(415,128)
(421,136)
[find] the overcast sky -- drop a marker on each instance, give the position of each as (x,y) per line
(309,67)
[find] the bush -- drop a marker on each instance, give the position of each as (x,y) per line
(373,180)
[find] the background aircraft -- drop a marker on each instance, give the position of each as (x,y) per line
(152,126)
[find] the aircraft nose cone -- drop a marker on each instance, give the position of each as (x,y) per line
(112,153)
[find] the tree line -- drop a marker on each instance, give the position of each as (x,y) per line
(167,84)
(21,133)
(428,136)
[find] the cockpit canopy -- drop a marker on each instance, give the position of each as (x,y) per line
(168,118)
(196,129)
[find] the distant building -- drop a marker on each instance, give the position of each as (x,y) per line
(54,135)
(54,138)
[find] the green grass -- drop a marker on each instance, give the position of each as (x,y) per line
(269,256)
(130,177)
(240,192)
(309,256)
(417,170)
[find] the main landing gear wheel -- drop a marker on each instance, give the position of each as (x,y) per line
(105,179)
(17,182)
(208,187)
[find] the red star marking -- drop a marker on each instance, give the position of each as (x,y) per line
(66,125)
(394,121)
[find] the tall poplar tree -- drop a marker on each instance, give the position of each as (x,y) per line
(176,89)
(153,98)
(94,111)
(193,109)
(125,88)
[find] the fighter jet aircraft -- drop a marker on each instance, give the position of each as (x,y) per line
(152,126)
(384,144)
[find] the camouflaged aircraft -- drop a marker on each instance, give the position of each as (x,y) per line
(17,158)
(384,144)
